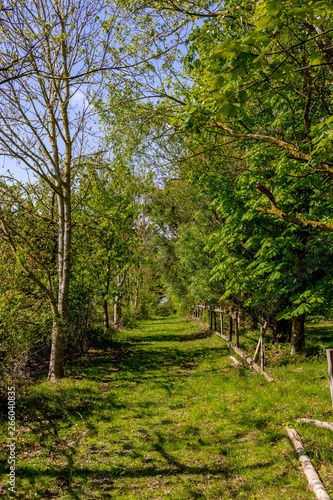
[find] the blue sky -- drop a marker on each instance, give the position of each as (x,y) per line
(19,170)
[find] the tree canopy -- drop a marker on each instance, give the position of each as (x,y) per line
(177,151)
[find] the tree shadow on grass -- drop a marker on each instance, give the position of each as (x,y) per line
(48,416)
(172,338)
(170,361)
(145,362)
(318,338)
(78,481)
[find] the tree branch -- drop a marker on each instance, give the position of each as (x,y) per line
(274,141)
(322,226)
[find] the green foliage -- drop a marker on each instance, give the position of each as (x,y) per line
(281,269)
(183,222)
(25,322)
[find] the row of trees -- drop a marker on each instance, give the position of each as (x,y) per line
(209,178)
(248,123)
(54,56)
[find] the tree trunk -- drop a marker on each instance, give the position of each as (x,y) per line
(282,330)
(106,315)
(56,367)
(60,311)
(297,334)
(117,313)
(136,299)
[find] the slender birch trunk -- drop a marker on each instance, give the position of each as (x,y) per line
(56,367)
(106,321)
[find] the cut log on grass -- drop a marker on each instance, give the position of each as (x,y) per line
(318,423)
(245,357)
(311,475)
(236,362)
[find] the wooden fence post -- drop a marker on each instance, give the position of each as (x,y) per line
(329,354)
(211,318)
(262,347)
(240,320)
(236,330)
(221,322)
(215,327)
(258,348)
(230,328)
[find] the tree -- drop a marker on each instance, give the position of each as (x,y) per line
(279,272)
(262,80)
(110,233)
(41,128)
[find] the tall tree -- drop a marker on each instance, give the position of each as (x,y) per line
(262,76)
(43,129)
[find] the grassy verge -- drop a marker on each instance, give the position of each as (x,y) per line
(163,415)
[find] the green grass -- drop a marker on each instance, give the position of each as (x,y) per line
(164,415)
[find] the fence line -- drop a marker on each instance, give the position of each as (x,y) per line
(235,346)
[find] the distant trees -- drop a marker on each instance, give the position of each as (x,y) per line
(258,115)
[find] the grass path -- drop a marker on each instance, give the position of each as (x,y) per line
(163,415)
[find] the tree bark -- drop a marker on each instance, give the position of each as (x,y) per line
(47,132)
(106,322)
(56,367)
(262,347)
(136,299)
(117,313)
(298,334)
(282,330)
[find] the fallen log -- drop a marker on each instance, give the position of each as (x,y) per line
(312,477)
(318,423)
(245,357)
